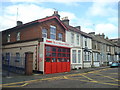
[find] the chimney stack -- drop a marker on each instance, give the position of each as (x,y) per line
(92,33)
(78,27)
(103,36)
(65,20)
(19,23)
(56,14)
(107,38)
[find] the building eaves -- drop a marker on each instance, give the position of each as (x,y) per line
(104,40)
(71,28)
(37,21)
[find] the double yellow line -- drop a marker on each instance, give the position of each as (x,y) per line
(24,83)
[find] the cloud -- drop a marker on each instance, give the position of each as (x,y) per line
(113,19)
(60,1)
(27,13)
(108,29)
(87,30)
(102,9)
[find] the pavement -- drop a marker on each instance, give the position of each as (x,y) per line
(35,76)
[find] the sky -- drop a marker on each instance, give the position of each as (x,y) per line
(99,16)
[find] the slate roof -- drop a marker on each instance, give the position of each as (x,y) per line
(38,21)
(71,28)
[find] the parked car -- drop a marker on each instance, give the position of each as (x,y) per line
(115,64)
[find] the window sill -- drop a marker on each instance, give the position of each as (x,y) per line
(17,61)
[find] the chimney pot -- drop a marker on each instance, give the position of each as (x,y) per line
(56,14)
(19,23)
(92,33)
(78,27)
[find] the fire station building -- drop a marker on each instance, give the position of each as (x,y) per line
(45,38)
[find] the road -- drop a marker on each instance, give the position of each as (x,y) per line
(103,78)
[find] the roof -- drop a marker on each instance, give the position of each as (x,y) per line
(38,21)
(71,28)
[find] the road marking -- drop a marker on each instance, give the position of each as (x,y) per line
(107,77)
(58,77)
(96,82)
(113,73)
(17,85)
(87,77)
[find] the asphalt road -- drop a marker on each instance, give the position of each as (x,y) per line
(103,78)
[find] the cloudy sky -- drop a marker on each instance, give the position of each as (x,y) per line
(100,16)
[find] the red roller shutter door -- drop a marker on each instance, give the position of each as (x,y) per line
(48,67)
(68,66)
(54,67)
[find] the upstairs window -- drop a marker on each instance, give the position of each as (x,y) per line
(85,42)
(8,38)
(72,38)
(52,32)
(44,33)
(60,36)
(18,36)
(77,39)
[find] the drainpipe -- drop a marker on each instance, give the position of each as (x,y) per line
(92,59)
(82,59)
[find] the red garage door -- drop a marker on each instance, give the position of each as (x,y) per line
(57,59)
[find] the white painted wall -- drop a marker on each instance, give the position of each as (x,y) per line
(27,48)
(68,38)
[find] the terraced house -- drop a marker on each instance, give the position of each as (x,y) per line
(104,51)
(81,51)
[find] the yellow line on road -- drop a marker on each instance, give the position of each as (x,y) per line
(96,82)
(87,77)
(59,77)
(107,77)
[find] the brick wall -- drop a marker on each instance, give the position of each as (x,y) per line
(33,31)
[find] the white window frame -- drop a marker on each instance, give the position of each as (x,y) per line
(8,38)
(79,56)
(17,57)
(18,36)
(78,39)
(74,58)
(52,32)
(44,33)
(87,56)
(60,37)
(85,42)
(72,37)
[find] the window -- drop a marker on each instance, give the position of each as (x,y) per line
(57,54)
(85,41)
(60,36)
(74,56)
(52,32)
(17,57)
(7,56)
(95,56)
(72,38)
(8,38)
(18,36)
(87,56)
(44,33)
(48,60)
(79,54)
(77,39)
